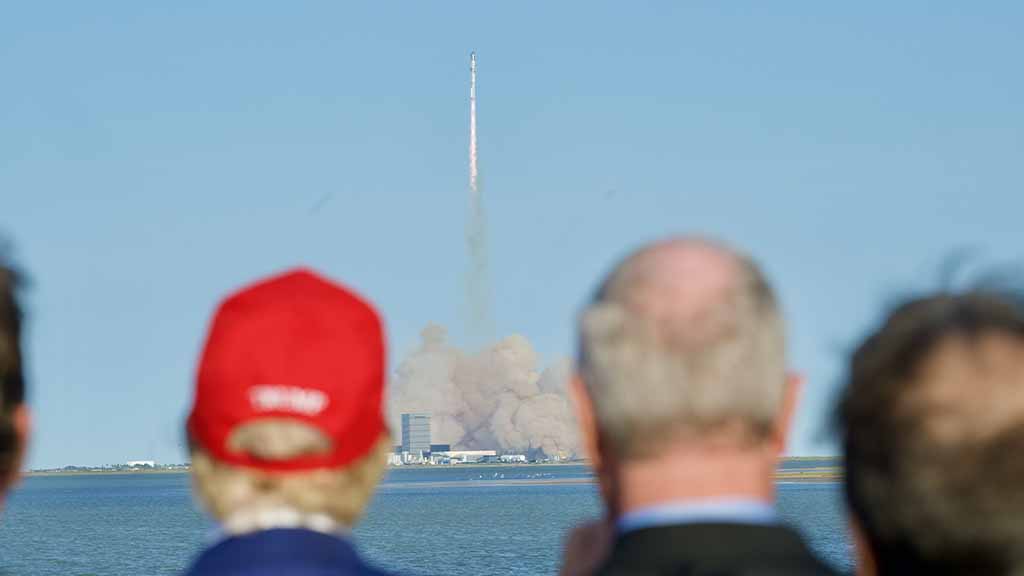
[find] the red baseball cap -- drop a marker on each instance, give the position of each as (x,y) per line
(292,346)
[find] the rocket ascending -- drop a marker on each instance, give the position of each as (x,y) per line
(478,282)
(472,75)
(472,123)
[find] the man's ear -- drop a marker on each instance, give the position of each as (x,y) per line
(866,565)
(22,421)
(585,419)
(787,411)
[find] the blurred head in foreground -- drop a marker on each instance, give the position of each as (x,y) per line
(932,428)
(684,404)
(287,429)
(14,415)
(682,360)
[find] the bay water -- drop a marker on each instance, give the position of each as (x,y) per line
(457,521)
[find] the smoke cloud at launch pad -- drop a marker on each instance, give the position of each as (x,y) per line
(496,398)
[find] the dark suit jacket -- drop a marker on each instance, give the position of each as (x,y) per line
(712,550)
(282,552)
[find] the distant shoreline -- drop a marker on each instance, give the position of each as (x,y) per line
(825,473)
(495,465)
(38,473)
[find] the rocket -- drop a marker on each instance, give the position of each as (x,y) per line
(472,76)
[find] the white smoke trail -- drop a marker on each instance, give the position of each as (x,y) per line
(495,399)
(480,322)
(473,187)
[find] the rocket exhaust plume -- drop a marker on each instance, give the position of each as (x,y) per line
(480,323)
(494,396)
(472,125)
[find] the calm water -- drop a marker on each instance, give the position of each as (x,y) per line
(458,521)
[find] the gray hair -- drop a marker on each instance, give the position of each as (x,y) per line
(652,375)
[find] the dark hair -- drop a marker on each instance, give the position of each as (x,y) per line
(12,379)
(929,501)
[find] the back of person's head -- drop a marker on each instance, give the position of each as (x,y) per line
(287,427)
(13,413)
(932,429)
(683,341)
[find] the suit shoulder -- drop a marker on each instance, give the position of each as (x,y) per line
(719,549)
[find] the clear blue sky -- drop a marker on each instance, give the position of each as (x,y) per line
(155,155)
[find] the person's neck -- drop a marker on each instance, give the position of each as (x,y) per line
(687,473)
(271,517)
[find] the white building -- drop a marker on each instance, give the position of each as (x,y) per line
(466,455)
(141,464)
(413,458)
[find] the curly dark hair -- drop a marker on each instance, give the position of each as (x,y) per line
(12,380)
(933,436)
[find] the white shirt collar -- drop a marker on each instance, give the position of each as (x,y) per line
(268,518)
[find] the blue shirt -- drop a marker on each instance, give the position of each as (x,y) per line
(725,510)
(282,552)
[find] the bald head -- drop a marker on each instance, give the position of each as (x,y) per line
(678,278)
(682,337)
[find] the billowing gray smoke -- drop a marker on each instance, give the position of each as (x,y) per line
(495,399)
